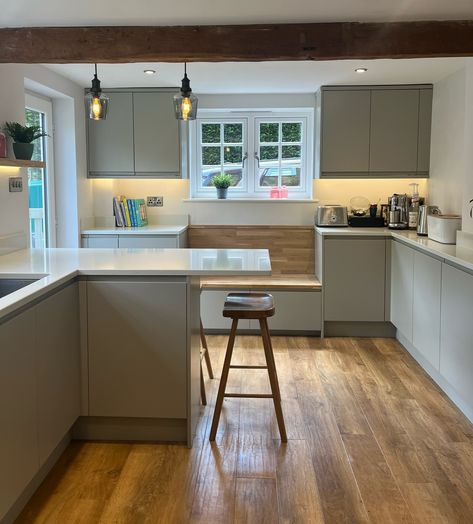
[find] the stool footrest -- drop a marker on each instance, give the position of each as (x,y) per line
(248,395)
(248,367)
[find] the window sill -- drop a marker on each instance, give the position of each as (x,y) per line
(253,200)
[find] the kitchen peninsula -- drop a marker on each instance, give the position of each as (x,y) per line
(102,341)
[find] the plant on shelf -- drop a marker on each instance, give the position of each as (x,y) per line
(22,137)
(222,182)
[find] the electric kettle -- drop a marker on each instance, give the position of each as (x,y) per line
(424,211)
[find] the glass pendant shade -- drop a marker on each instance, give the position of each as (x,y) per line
(185,107)
(185,103)
(96,106)
(96,103)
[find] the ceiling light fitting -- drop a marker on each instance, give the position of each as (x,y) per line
(96,103)
(361,70)
(149,72)
(185,103)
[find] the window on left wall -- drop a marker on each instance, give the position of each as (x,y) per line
(38,111)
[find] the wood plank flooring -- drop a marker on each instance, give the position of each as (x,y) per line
(371,439)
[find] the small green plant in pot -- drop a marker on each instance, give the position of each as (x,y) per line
(222,182)
(22,137)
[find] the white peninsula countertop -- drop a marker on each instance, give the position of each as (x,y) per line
(54,267)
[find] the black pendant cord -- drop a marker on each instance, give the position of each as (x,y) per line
(96,89)
(186,85)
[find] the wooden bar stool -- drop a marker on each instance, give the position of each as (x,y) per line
(254,306)
(204,354)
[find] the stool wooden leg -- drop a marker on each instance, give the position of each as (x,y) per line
(273,377)
(203,396)
(203,341)
(223,380)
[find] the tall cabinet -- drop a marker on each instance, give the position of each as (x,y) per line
(139,138)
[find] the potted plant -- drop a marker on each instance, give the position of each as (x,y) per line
(22,137)
(222,182)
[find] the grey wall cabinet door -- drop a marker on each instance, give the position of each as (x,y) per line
(110,141)
(58,367)
(394,130)
(18,438)
(425,124)
(402,288)
(354,279)
(345,132)
(456,346)
(426,307)
(137,336)
(156,135)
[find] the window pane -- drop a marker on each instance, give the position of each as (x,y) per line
(233,133)
(291,132)
(291,152)
(211,156)
(269,132)
(233,155)
(269,153)
(210,133)
(236,172)
(291,176)
(268,176)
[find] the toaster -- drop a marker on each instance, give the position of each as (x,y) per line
(331,216)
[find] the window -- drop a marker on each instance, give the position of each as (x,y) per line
(38,112)
(258,152)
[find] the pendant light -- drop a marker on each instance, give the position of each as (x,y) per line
(185,103)
(96,103)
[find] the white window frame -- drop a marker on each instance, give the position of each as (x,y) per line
(253,117)
(44,105)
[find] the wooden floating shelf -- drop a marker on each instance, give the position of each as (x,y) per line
(9,162)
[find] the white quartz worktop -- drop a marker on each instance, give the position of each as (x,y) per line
(164,230)
(460,256)
(53,267)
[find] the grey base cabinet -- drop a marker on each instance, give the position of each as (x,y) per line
(402,288)
(354,279)
(456,343)
(137,343)
(135,241)
(19,460)
(296,310)
(58,342)
(39,388)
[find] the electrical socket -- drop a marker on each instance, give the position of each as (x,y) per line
(15,184)
(154,201)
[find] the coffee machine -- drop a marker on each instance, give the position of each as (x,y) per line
(398,211)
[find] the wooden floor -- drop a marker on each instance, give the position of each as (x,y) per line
(371,439)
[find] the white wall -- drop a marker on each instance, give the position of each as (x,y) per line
(468,170)
(447,160)
(13,206)
(74,195)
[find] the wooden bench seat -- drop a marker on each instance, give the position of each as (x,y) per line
(282,282)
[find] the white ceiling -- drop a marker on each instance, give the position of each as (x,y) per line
(264,77)
(161,12)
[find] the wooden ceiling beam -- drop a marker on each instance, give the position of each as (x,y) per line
(311,41)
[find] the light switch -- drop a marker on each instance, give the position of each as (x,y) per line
(15,184)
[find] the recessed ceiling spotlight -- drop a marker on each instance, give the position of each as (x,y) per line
(149,72)
(361,70)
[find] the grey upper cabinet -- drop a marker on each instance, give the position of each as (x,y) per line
(156,135)
(425,124)
(110,141)
(376,132)
(345,132)
(140,136)
(394,130)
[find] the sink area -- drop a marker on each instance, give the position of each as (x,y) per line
(9,285)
